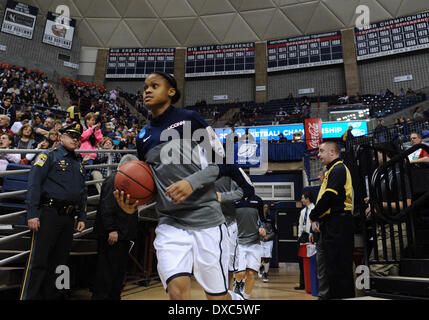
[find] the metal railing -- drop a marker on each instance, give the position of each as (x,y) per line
(7,218)
(389,187)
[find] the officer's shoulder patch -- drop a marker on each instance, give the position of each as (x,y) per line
(41,159)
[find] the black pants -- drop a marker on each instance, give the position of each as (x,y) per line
(111,267)
(301,272)
(50,248)
(338,244)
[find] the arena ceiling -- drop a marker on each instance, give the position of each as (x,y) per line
(184,23)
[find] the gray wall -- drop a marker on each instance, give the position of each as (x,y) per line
(126,85)
(237,87)
(379,74)
(326,80)
(33,54)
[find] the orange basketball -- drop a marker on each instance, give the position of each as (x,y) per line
(136,179)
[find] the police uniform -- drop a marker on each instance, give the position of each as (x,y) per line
(334,212)
(56,195)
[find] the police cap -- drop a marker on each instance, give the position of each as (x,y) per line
(74,130)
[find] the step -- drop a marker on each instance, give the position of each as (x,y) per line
(414,268)
(10,277)
(400,285)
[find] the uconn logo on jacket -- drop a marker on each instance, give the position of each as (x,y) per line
(172,118)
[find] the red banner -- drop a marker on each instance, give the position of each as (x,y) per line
(313,132)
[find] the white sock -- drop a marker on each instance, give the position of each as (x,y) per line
(235,296)
(266,267)
(246,296)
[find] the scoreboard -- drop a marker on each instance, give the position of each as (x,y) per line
(139,62)
(215,60)
(303,52)
(393,36)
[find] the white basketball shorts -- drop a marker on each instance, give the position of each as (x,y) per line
(203,253)
(249,257)
(267,249)
(233,247)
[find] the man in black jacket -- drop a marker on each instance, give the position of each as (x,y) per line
(115,229)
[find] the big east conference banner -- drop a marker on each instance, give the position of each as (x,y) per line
(313,132)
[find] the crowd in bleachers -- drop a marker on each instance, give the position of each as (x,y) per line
(283,111)
(381,104)
(31,118)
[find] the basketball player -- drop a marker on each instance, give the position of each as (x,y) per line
(191,236)
(249,216)
(267,242)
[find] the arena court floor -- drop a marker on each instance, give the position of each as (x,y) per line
(280,287)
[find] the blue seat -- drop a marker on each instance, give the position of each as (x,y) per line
(15,183)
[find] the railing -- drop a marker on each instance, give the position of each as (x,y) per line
(392,201)
(6,218)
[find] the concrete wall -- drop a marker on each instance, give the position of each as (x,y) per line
(33,54)
(205,88)
(379,74)
(326,80)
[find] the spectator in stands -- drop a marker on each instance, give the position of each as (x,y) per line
(6,140)
(25,138)
(389,93)
(380,132)
(102,158)
(344,99)
(420,155)
(4,124)
(42,145)
(402,93)
(54,138)
(410,92)
(418,114)
(58,125)
(281,113)
(43,131)
(282,138)
(91,136)
(21,119)
(14,89)
(347,137)
(297,137)
(6,108)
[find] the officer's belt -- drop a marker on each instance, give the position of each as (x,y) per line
(62,206)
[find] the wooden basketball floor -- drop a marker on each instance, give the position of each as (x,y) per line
(280,287)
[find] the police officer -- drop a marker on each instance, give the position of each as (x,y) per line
(332,216)
(56,195)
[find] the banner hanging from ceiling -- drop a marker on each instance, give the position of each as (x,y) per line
(59,30)
(19,19)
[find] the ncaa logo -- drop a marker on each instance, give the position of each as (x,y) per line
(247,150)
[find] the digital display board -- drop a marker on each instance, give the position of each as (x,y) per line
(393,36)
(303,52)
(59,31)
(329,130)
(216,60)
(139,62)
(19,19)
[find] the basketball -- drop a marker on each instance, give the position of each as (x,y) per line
(136,179)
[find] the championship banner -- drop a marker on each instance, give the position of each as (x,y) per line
(139,62)
(313,132)
(247,154)
(220,60)
(59,30)
(19,19)
(303,52)
(393,36)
